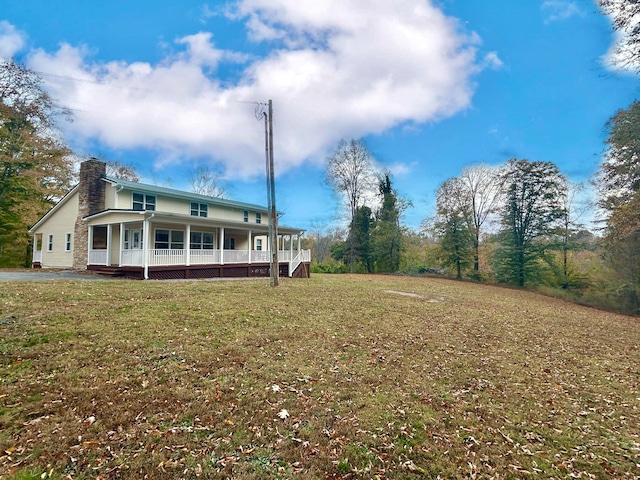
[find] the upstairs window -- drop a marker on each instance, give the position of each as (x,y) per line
(259,244)
(258,217)
(50,243)
(199,209)
(246,216)
(67,244)
(143,202)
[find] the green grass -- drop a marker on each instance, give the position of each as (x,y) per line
(122,379)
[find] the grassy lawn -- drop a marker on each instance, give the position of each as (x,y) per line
(331,377)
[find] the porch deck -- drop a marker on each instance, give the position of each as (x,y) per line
(165,264)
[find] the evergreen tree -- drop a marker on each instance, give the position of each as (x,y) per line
(361,235)
(387,236)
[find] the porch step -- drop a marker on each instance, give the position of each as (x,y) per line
(111,271)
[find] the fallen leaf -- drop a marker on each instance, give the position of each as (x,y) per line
(283,414)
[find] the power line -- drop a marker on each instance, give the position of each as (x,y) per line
(94,82)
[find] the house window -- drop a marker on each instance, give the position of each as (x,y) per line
(246,216)
(199,209)
(173,239)
(99,237)
(67,244)
(143,202)
(201,241)
(229,243)
(259,244)
(258,217)
(50,243)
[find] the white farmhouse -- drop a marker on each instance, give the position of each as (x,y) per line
(131,229)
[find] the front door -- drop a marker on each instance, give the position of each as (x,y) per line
(136,239)
(132,247)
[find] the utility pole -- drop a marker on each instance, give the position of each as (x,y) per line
(271,190)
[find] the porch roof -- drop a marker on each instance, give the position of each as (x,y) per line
(116,216)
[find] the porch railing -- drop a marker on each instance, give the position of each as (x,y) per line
(302,256)
(176,257)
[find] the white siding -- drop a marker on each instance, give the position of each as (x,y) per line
(58,225)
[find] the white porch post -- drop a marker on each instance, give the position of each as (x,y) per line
(221,245)
(121,244)
(249,246)
(109,232)
(35,248)
(299,244)
(89,243)
(145,248)
(187,244)
(291,246)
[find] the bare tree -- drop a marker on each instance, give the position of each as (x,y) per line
(122,171)
(626,19)
(482,188)
(207,181)
(350,173)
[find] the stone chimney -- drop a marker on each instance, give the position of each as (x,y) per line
(91,191)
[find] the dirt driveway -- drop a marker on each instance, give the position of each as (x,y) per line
(38,275)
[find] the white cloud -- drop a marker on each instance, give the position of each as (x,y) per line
(556,10)
(492,60)
(399,169)
(335,70)
(11,40)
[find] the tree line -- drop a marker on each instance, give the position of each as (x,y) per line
(519,223)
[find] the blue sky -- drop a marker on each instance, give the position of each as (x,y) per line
(431,86)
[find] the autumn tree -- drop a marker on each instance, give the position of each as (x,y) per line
(35,165)
(452,225)
(532,206)
(350,173)
(618,178)
(618,184)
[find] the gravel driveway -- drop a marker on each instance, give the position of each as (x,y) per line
(38,275)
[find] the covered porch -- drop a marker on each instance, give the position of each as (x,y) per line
(167,246)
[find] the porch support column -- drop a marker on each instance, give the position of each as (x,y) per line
(249,246)
(109,232)
(145,248)
(89,244)
(221,245)
(291,247)
(121,244)
(187,245)
(299,245)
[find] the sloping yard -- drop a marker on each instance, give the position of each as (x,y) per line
(331,377)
